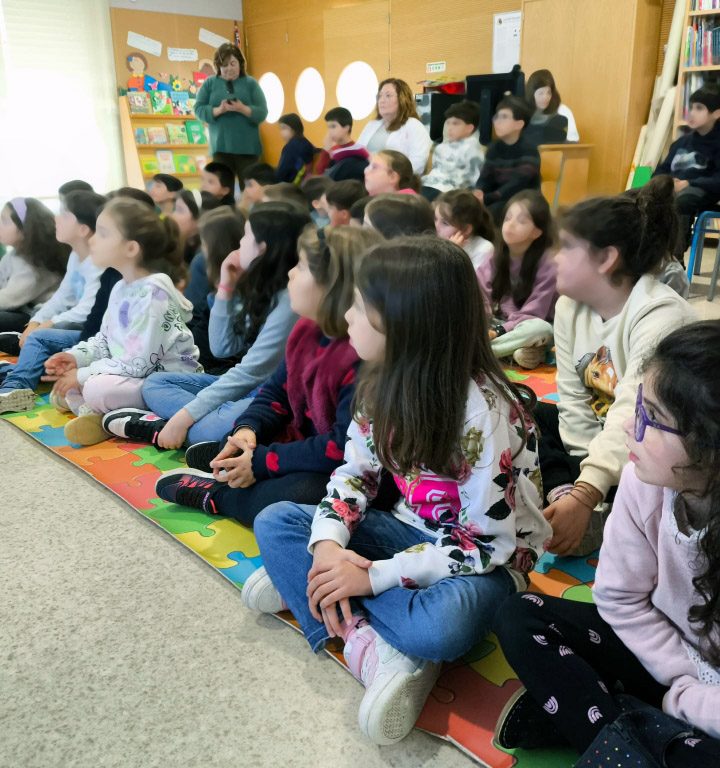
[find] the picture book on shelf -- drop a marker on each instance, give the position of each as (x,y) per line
(195,132)
(200,162)
(149,164)
(177,134)
(165,161)
(139,102)
(141,136)
(185,164)
(180,102)
(161,103)
(157,135)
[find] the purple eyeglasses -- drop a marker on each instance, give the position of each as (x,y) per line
(643,421)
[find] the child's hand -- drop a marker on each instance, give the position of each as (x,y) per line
(173,434)
(569,519)
(66,382)
(244,439)
(458,238)
(479,194)
(328,143)
(58,364)
(238,470)
(29,328)
(230,272)
(336,575)
(492,334)
(680,185)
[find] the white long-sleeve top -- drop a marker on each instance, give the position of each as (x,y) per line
(572,132)
(412,139)
(23,286)
(455,164)
(599,365)
(75,296)
(488,518)
(143,330)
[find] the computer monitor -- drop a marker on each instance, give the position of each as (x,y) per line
(488,90)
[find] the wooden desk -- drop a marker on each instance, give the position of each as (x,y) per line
(564,172)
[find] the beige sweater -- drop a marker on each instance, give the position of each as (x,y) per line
(22,287)
(599,367)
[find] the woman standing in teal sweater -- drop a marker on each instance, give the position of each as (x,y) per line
(233,105)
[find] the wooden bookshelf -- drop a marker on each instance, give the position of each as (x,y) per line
(133,152)
(690,76)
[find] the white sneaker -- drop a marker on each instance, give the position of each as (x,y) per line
(396,685)
(529,357)
(17,400)
(259,593)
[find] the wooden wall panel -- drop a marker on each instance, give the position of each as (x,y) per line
(172,30)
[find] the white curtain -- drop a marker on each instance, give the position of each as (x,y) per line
(58,104)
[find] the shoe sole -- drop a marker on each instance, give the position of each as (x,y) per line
(259,594)
(18,400)
(390,715)
(502,721)
(86,430)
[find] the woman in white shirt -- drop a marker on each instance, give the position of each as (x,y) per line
(397,125)
(543,97)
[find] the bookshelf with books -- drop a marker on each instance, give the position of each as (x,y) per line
(161,134)
(699,56)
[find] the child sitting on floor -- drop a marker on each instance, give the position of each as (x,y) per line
(66,311)
(289,440)
(297,153)
(144,328)
(389,172)
(398,215)
(652,633)
(163,191)
(410,588)
(340,198)
(519,282)
(341,158)
(611,313)
(462,218)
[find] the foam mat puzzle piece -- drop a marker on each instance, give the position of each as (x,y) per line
(543,758)
(582,568)
(582,593)
(162,460)
(229,536)
(28,421)
(176,519)
(138,490)
(52,437)
(52,416)
(244,566)
(464,707)
(88,457)
(493,666)
(553,582)
(116,470)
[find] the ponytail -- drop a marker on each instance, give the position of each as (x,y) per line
(641,223)
(400,164)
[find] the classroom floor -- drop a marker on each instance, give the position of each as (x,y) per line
(120,648)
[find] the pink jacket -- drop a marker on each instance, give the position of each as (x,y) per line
(643,589)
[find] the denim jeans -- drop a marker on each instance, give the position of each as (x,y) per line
(38,347)
(167,393)
(440,622)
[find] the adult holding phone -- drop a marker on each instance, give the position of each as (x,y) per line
(233,105)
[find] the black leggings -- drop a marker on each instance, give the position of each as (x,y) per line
(557,466)
(571,662)
(13,320)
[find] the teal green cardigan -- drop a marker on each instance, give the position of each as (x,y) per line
(232,132)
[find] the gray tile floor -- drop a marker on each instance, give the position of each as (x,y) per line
(118,647)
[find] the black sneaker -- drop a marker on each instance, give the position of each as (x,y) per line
(524,723)
(190,489)
(10,342)
(199,455)
(134,424)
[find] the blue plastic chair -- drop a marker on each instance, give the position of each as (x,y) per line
(702,228)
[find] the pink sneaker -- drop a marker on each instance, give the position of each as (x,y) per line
(396,685)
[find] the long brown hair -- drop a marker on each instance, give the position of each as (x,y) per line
(39,246)
(539,210)
(220,233)
(333,259)
(406,103)
(400,164)
(542,78)
(461,208)
(427,297)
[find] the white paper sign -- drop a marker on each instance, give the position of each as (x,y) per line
(182,54)
(210,38)
(506,41)
(145,44)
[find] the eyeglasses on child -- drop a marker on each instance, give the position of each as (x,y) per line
(643,421)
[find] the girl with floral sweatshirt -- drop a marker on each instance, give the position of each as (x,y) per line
(144,328)
(424,579)
(654,630)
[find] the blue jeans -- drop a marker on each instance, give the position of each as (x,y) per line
(38,347)
(440,622)
(167,393)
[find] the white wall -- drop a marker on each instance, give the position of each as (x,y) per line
(215,9)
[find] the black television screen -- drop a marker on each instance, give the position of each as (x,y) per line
(487,90)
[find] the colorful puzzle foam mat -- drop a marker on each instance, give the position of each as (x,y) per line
(468,698)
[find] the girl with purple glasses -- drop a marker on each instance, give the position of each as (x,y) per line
(639,669)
